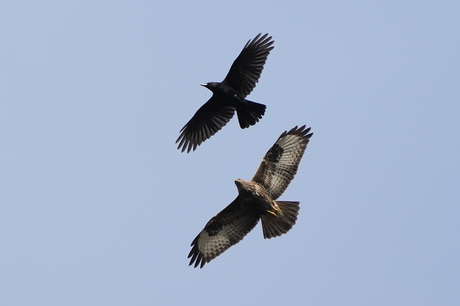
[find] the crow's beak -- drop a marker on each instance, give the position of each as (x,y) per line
(205,84)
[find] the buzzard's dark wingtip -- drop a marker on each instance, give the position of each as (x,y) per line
(302,131)
(197,260)
(195,254)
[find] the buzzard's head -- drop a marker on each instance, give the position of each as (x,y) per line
(244,186)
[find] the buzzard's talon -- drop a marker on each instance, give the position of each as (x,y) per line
(275,212)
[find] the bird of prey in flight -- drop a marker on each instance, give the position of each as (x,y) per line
(256,200)
(229,95)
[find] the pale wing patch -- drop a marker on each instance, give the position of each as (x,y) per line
(213,246)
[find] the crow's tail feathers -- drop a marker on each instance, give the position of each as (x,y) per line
(274,226)
(249,113)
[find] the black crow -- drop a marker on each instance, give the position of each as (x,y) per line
(229,95)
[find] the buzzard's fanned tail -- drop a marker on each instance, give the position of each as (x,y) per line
(274,226)
(250,113)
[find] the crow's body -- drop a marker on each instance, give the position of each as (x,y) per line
(229,96)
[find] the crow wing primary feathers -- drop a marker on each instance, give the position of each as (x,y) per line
(280,164)
(225,229)
(207,121)
(246,69)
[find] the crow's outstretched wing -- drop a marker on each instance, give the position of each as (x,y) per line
(207,121)
(246,69)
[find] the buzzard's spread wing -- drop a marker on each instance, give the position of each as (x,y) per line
(280,164)
(246,69)
(221,232)
(209,119)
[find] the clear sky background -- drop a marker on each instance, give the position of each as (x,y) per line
(99,208)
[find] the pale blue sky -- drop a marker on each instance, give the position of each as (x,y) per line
(99,208)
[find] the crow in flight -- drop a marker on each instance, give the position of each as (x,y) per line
(256,201)
(229,95)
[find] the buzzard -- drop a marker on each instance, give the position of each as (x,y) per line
(229,95)
(256,200)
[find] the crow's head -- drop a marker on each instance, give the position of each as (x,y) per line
(211,85)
